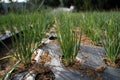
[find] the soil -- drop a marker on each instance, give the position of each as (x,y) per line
(84,39)
(117,61)
(45,73)
(5,65)
(44,58)
(116,64)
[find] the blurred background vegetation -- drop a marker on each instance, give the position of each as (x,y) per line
(80,5)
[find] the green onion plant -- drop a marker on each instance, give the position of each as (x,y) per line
(31,29)
(67,38)
(111,39)
(30,37)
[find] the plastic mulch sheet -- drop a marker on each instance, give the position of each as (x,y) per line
(94,59)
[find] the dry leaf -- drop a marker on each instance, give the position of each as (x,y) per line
(100,68)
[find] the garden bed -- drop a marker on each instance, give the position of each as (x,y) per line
(89,65)
(65,53)
(89,69)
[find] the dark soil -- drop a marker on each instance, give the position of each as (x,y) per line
(45,73)
(5,65)
(115,64)
(117,61)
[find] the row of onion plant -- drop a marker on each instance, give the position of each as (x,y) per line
(67,37)
(103,28)
(111,39)
(93,24)
(28,38)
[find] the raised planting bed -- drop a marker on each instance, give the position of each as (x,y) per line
(91,65)
(47,64)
